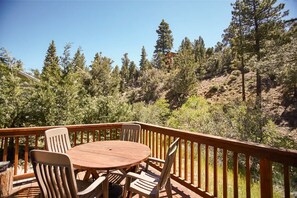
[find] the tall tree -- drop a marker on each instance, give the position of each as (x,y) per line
(79,61)
(125,72)
(165,39)
(163,45)
(235,35)
(199,50)
(101,75)
(66,61)
(263,20)
(51,71)
(186,45)
(133,74)
(144,63)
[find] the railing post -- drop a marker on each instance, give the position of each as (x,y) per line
(266,178)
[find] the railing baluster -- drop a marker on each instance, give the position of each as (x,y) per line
(248,176)
(161,146)
(153,149)
(157,145)
(81,137)
(88,136)
(287,181)
(180,159)
(266,178)
(146,140)
(104,131)
(192,162)
(74,138)
(165,147)
(26,154)
(225,175)
(186,160)
(199,164)
(94,135)
(206,167)
(235,174)
(215,172)
(36,141)
(5,149)
(16,155)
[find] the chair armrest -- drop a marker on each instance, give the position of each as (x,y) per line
(153,159)
(137,176)
(93,186)
(156,160)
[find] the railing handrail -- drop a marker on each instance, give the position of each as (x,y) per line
(21,131)
(281,155)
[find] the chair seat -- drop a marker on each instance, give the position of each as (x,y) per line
(147,185)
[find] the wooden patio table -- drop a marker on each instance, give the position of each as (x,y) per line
(108,155)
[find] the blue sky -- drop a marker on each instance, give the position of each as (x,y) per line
(112,27)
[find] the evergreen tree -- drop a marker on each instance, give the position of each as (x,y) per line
(66,61)
(163,45)
(186,45)
(79,61)
(235,35)
(51,71)
(199,50)
(100,75)
(125,72)
(144,63)
(116,80)
(263,20)
(133,74)
(165,39)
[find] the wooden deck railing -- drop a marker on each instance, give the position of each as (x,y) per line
(208,165)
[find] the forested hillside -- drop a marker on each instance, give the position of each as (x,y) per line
(245,87)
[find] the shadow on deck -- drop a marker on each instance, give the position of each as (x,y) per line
(30,189)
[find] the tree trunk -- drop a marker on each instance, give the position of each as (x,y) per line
(242,80)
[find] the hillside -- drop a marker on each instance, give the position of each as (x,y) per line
(224,89)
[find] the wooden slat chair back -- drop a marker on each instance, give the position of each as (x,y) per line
(54,174)
(57,140)
(149,185)
(55,177)
(171,153)
(130,132)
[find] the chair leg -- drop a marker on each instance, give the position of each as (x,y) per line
(168,188)
(126,188)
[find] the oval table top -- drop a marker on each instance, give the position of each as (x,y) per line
(108,155)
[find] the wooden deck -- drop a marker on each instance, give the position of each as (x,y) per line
(30,189)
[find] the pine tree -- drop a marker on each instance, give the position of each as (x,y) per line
(51,71)
(165,39)
(163,45)
(125,72)
(235,35)
(186,45)
(263,21)
(79,61)
(66,61)
(100,75)
(144,63)
(133,74)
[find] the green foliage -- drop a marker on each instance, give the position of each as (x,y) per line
(100,82)
(165,40)
(156,113)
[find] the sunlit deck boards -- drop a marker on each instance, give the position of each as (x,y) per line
(31,190)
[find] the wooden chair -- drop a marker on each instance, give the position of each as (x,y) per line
(55,177)
(130,132)
(149,185)
(57,140)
